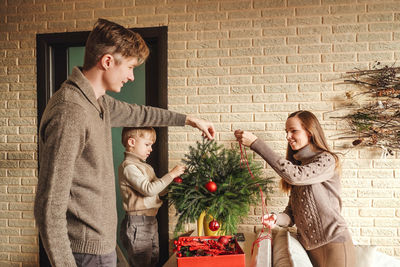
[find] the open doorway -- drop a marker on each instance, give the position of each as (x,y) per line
(55,56)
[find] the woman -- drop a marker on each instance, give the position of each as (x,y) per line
(311,176)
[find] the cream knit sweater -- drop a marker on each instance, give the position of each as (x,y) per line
(140,187)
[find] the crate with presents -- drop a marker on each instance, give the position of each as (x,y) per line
(199,251)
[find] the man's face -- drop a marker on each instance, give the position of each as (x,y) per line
(119,73)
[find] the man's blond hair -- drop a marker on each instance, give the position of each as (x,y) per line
(108,37)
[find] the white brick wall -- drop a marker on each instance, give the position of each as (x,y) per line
(241,64)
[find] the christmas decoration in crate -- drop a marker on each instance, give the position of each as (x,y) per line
(209,251)
(376,121)
(218,185)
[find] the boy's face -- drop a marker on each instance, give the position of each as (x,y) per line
(142,146)
(119,73)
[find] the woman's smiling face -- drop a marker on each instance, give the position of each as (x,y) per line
(296,135)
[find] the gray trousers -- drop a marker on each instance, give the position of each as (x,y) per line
(139,235)
(90,260)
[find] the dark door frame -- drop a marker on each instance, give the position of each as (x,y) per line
(52,71)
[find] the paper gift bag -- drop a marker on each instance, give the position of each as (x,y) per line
(261,255)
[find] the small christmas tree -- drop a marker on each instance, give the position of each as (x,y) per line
(216,182)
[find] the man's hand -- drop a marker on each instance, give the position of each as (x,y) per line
(246,138)
(205,126)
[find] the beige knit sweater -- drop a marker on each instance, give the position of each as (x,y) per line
(140,187)
(75,206)
(314,202)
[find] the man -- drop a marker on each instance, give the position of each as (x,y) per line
(75,205)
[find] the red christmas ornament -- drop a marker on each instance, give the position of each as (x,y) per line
(213,225)
(178,180)
(211,186)
(224,240)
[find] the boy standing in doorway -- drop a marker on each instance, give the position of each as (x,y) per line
(75,205)
(140,190)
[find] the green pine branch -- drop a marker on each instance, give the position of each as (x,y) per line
(236,189)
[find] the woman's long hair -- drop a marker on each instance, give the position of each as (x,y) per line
(317,140)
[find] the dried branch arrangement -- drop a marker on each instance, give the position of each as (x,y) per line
(376,123)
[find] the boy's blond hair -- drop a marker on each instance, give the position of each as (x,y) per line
(132,132)
(108,37)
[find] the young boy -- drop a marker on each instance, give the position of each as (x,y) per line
(140,189)
(75,205)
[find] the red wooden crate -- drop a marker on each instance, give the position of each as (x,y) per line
(233,260)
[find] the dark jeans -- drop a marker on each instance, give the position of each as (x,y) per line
(139,235)
(90,260)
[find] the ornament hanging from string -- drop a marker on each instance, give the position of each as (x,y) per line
(266,219)
(211,186)
(178,180)
(213,225)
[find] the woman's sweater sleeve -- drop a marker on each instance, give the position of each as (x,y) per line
(140,183)
(321,167)
(284,220)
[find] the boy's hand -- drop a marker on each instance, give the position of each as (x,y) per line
(177,170)
(205,126)
(246,138)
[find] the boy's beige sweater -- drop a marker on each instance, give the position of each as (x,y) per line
(75,206)
(140,187)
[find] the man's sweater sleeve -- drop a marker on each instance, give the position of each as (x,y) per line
(140,183)
(123,114)
(321,168)
(61,142)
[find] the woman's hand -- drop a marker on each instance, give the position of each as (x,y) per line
(244,137)
(269,220)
